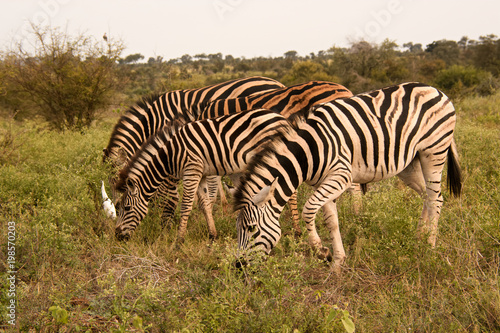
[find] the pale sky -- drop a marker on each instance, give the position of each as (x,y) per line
(253,28)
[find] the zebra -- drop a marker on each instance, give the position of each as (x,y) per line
(404,130)
(286,101)
(218,146)
(148,116)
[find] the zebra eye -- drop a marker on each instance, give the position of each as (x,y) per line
(252,228)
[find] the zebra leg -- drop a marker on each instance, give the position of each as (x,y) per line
(169,198)
(413,177)
(191,181)
(432,168)
(357,195)
(332,221)
(215,187)
(212,187)
(292,203)
(206,200)
(330,189)
(220,189)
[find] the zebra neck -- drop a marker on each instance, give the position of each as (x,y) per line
(153,169)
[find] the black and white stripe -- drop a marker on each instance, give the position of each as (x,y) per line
(286,101)
(404,130)
(219,146)
(151,114)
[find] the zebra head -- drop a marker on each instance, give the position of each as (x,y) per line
(132,207)
(257,223)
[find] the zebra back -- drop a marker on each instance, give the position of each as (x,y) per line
(152,113)
(287,100)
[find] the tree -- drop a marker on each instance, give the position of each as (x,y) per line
(131,58)
(186,59)
(68,79)
(413,48)
(291,55)
(364,57)
(446,50)
(487,54)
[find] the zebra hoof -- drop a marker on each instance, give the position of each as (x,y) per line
(324,254)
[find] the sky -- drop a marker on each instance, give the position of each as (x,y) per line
(252,28)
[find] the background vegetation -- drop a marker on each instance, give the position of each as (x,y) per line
(72,81)
(74,276)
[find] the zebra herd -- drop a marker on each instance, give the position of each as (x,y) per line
(269,139)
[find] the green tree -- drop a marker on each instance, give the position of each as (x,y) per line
(446,50)
(131,58)
(67,79)
(363,57)
(487,54)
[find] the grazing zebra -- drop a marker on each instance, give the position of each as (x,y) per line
(151,114)
(218,146)
(286,101)
(404,130)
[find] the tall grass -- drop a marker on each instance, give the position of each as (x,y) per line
(74,276)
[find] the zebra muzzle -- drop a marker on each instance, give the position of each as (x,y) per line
(121,235)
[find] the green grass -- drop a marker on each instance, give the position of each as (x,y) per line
(74,276)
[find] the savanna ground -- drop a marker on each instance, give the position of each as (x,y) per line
(73,275)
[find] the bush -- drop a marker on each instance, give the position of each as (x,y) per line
(304,71)
(67,79)
(459,80)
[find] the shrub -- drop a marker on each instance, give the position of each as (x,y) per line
(67,79)
(458,80)
(304,71)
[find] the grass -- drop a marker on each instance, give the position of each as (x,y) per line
(74,276)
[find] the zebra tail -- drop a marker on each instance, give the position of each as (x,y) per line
(454,174)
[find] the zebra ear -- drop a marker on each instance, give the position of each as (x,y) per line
(265,194)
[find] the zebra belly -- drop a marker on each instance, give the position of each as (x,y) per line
(366,175)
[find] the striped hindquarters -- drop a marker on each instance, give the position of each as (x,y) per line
(385,129)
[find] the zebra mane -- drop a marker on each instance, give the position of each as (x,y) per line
(259,161)
(269,150)
(299,117)
(156,140)
(142,104)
